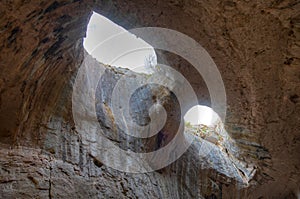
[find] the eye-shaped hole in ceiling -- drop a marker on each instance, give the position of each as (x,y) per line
(201,115)
(111,44)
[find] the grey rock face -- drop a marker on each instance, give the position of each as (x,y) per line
(67,167)
(255,45)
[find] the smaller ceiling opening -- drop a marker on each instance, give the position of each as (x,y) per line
(204,122)
(111,44)
(201,115)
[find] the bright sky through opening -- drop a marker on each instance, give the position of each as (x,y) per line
(111,44)
(201,115)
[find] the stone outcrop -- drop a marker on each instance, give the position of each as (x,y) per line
(255,45)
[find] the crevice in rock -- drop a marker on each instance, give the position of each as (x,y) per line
(50,181)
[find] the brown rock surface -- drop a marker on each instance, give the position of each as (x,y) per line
(255,44)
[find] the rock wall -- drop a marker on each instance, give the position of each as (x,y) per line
(255,45)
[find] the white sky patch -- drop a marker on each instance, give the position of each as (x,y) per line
(201,115)
(111,44)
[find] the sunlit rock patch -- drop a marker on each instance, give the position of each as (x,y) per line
(218,145)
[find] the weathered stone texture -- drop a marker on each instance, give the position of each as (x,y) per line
(255,44)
